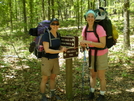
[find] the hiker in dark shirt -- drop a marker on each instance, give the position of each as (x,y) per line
(50,61)
(90,40)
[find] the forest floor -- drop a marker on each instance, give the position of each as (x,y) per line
(20,76)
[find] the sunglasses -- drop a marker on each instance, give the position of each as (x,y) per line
(55,24)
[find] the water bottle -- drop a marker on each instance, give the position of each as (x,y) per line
(40,48)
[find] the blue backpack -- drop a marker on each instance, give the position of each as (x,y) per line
(37,46)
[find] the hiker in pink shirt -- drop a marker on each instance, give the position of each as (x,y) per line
(98,62)
(91,37)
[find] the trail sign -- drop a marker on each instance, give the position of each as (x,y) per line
(71,52)
(69,41)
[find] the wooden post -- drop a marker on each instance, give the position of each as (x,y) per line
(71,42)
(69,77)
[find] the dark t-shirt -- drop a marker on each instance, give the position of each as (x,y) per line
(55,44)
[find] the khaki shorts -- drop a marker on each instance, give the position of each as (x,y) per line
(102,62)
(49,66)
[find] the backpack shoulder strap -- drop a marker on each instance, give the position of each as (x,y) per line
(95,28)
(95,32)
(58,35)
(85,32)
(39,40)
(49,36)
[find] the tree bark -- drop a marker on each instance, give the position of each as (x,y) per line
(49,11)
(78,14)
(53,13)
(31,13)
(24,15)
(126,25)
(10,10)
(43,10)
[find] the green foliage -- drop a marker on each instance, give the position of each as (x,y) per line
(24,72)
(70,32)
(20,70)
(68,23)
(1,79)
(71,14)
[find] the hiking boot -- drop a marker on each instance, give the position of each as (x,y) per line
(44,98)
(101,98)
(91,96)
(32,46)
(55,97)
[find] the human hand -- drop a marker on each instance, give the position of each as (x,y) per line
(63,49)
(83,43)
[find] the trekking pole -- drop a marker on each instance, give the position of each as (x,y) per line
(83,70)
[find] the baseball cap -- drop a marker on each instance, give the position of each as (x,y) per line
(54,20)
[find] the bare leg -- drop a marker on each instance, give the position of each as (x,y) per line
(101,76)
(52,81)
(43,84)
(93,76)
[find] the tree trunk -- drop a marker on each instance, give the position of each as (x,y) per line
(43,10)
(16,11)
(10,10)
(126,25)
(25,18)
(49,11)
(53,13)
(58,9)
(105,3)
(93,4)
(78,14)
(88,4)
(99,3)
(31,13)
(81,12)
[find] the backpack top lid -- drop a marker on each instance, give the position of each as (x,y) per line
(101,13)
(40,29)
(43,26)
(44,23)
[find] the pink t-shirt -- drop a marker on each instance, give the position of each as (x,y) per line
(91,37)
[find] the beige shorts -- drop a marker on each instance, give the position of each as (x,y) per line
(102,62)
(49,66)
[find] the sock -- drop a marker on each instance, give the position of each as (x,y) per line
(52,92)
(92,90)
(102,92)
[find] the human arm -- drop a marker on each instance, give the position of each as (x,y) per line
(100,44)
(83,45)
(92,40)
(52,51)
